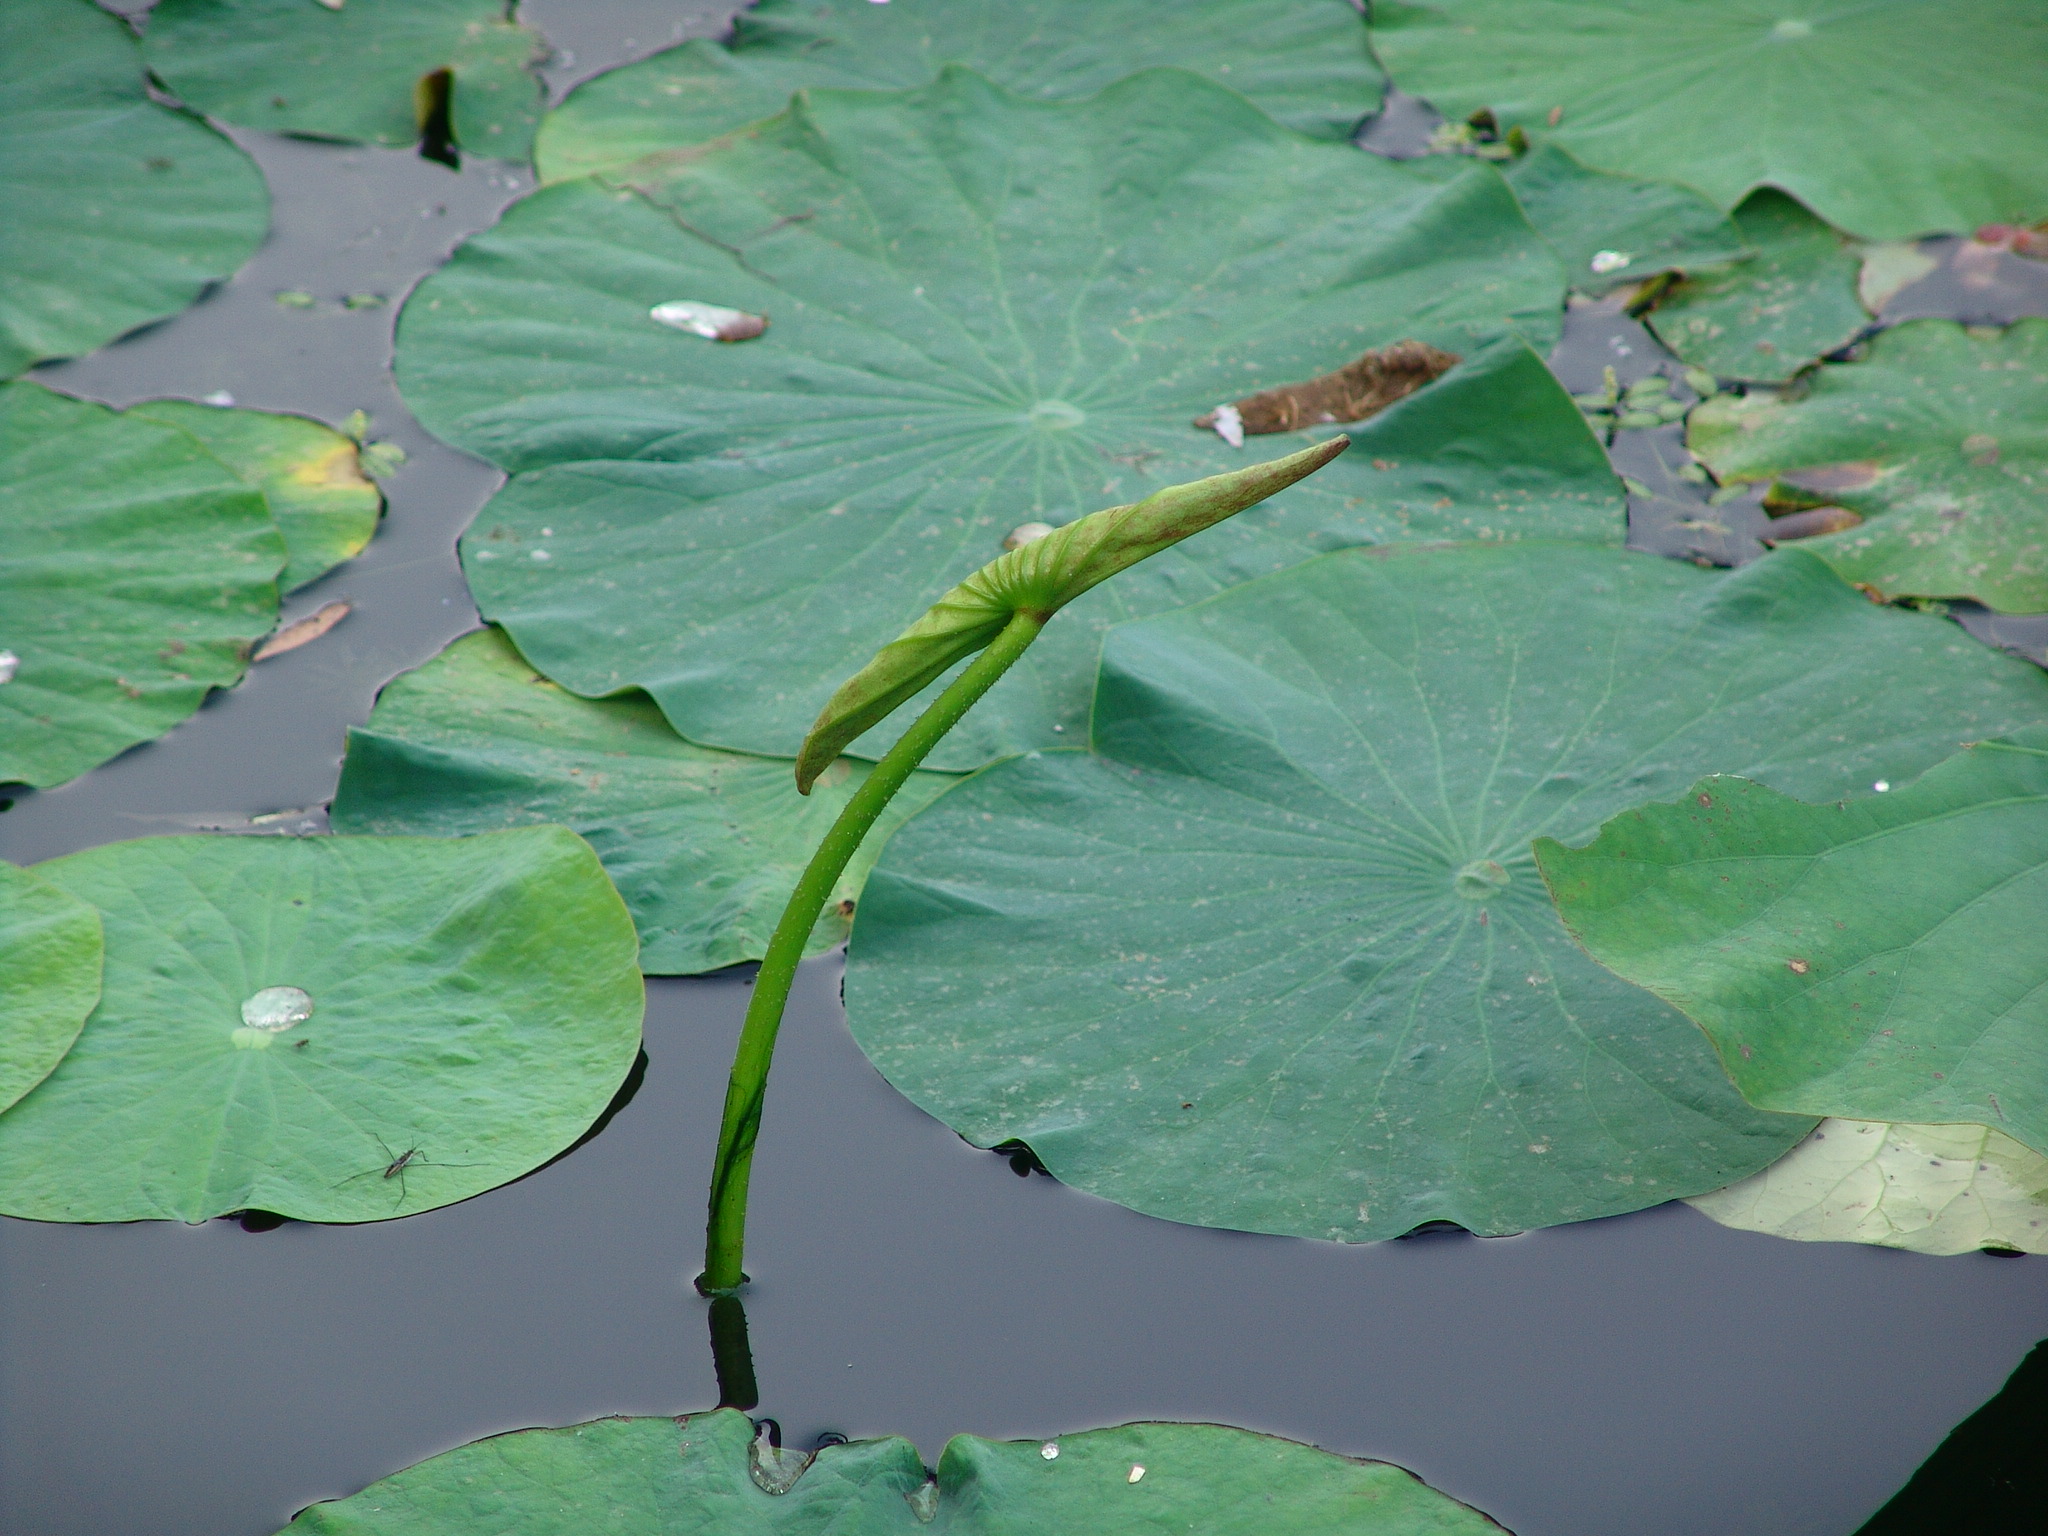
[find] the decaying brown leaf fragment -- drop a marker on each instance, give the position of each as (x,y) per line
(302,631)
(1359,389)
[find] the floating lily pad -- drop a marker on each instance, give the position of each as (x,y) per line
(705,846)
(1307,62)
(324,505)
(703,1474)
(1766,318)
(360,70)
(1874,959)
(968,332)
(139,571)
(49,977)
(119,211)
(1938,435)
(1888,120)
(330,1028)
(1275,956)
(1927,1188)
(1610,229)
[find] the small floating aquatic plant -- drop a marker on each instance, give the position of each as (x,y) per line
(998,611)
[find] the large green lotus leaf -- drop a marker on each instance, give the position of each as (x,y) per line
(474,1004)
(1307,62)
(138,571)
(353,71)
(705,846)
(324,505)
(1874,959)
(49,977)
(1275,956)
(119,211)
(1890,119)
(1938,435)
(704,1476)
(1610,229)
(1925,1188)
(983,311)
(1766,318)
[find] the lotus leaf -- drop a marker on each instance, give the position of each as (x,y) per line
(1938,435)
(1766,318)
(703,845)
(119,211)
(1273,954)
(704,1474)
(329,1028)
(1927,1188)
(1878,958)
(361,70)
(325,507)
(984,311)
(139,571)
(1610,229)
(49,977)
(1889,119)
(1304,61)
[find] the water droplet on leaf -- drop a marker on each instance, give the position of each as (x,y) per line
(277,1008)
(1480,879)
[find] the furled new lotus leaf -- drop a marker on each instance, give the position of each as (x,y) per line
(1039,578)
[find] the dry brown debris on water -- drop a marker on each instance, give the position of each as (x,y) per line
(1359,389)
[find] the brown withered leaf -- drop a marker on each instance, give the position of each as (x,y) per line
(302,631)
(1362,388)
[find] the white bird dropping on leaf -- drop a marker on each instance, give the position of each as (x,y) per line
(1604,262)
(714,322)
(9,665)
(1229,425)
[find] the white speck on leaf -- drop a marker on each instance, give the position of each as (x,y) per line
(1609,261)
(714,322)
(9,665)
(1230,425)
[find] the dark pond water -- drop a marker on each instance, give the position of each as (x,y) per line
(1653,1375)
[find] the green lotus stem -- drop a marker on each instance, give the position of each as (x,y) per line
(999,611)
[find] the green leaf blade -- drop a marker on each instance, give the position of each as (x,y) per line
(121,212)
(1306,64)
(353,71)
(1018,322)
(1609,229)
(1937,435)
(1763,319)
(449,1048)
(1888,120)
(325,507)
(1939,1189)
(1873,959)
(703,845)
(1275,954)
(140,571)
(50,951)
(646,1476)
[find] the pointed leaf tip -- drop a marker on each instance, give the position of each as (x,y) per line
(1039,577)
